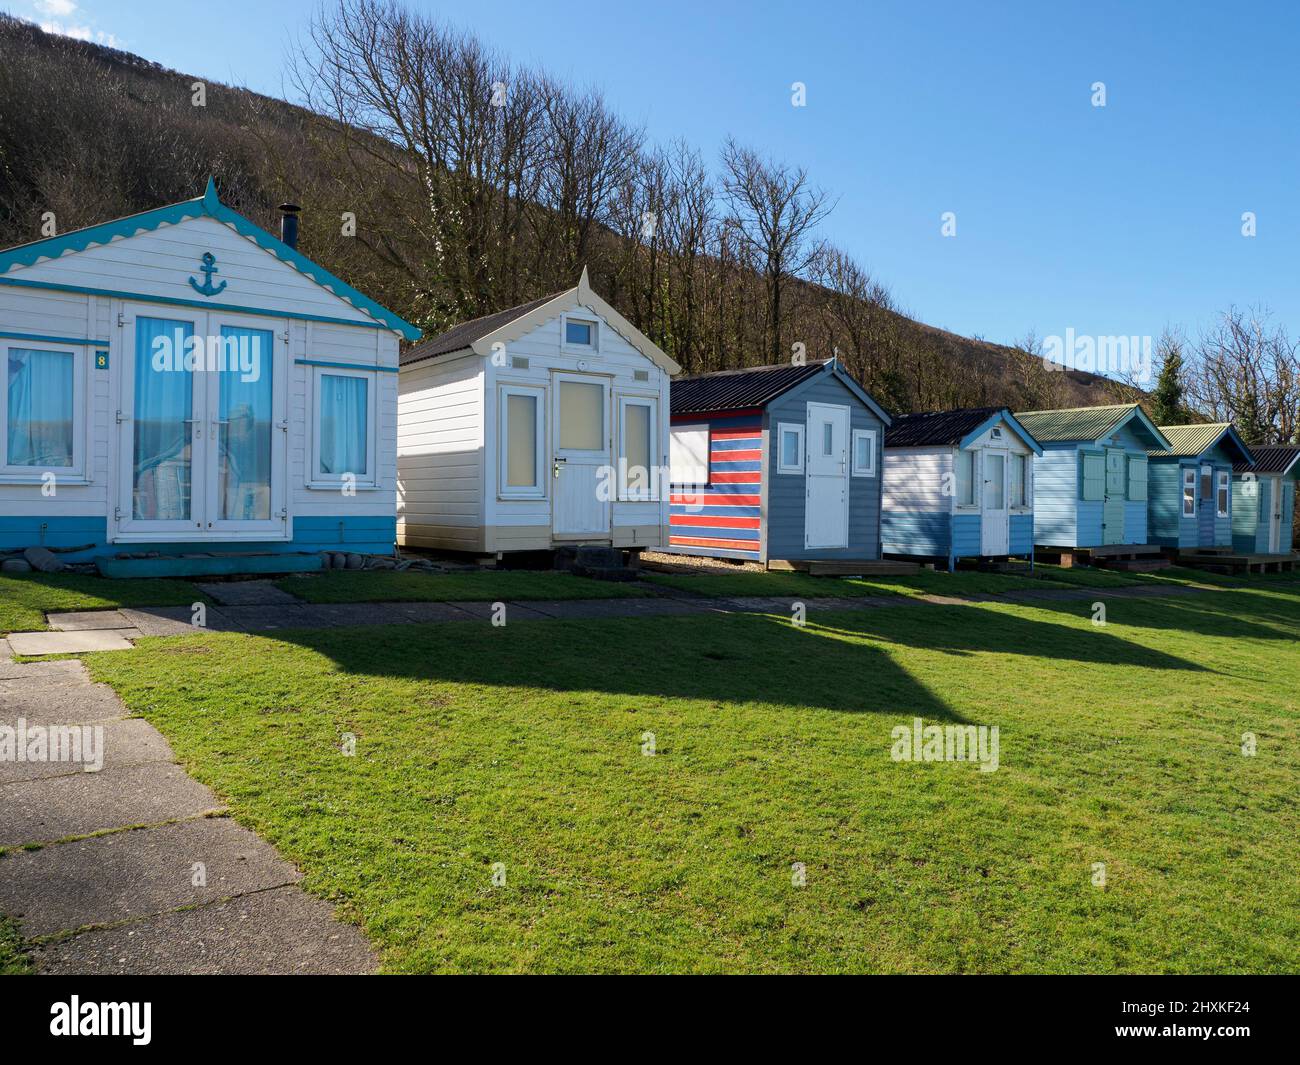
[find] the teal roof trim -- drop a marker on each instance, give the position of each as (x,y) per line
(210,206)
(1006,416)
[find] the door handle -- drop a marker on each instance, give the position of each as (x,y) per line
(555,465)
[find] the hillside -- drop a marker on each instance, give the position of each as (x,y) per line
(92,133)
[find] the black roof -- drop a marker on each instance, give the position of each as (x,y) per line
(462,336)
(937,428)
(1269,458)
(755,386)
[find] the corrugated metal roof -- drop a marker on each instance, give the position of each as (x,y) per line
(1270,458)
(462,336)
(1190,440)
(1074,423)
(738,389)
(937,427)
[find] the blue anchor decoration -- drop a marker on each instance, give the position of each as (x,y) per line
(208,268)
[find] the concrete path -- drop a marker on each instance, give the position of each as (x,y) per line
(133,868)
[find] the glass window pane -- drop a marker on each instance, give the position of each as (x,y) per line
(965,478)
(521,441)
(244,431)
(577,333)
(789,447)
(343,429)
(40,408)
(1017,480)
(162,430)
(828,438)
(636,444)
(995,488)
(582,416)
(864,452)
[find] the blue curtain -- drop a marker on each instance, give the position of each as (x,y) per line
(244,452)
(164,401)
(343,425)
(40,408)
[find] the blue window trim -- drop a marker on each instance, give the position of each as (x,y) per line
(345,365)
(206,205)
(84,342)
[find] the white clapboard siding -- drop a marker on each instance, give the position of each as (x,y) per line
(161,262)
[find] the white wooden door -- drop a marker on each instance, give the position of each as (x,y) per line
(581,468)
(995,523)
(826,514)
(1274,515)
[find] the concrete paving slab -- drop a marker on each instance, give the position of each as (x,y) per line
(62,697)
(754,604)
(71,643)
(121,742)
(609,608)
(247,593)
(10,670)
(264,618)
(136,874)
(37,811)
(283,931)
(514,611)
(336,615)
(170,620)
(79,620)
(426,612)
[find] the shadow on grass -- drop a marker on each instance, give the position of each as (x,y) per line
(1238,613)
(738,658)
(976,629)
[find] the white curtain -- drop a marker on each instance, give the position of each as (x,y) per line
(40,408)
(343,431)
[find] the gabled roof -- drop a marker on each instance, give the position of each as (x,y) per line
(953,428)
(480,334)
(460,337)
(1271,458)
(757,386)
(206,205)
(1087,424)
(1192,441)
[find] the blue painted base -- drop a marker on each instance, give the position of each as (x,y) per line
(366,535)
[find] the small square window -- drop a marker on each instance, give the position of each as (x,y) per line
(789,457)
(864,453)
(579,334)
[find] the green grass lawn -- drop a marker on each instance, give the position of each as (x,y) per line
(25,597)
(523,746)
(13,962)
(387,586)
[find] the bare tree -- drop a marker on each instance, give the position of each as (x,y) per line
(776,209)
(1247,371)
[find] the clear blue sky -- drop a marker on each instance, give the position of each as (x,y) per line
(1115,220)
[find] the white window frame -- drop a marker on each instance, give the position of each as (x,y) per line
(781,465)
(76,473)
(1189,499)
(332,481)
(651,492)
(869,470)
(580,349)
(977,486)
(1223,490)
(692,427)
(504,490)
(1027,488)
